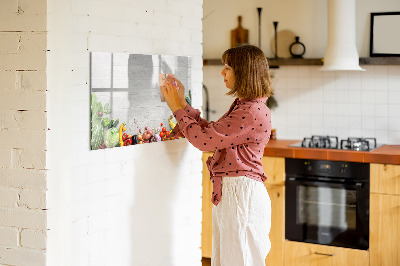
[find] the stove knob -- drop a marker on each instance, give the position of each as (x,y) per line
(308,166)
(343,168)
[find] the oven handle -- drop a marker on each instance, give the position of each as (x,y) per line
(357,185)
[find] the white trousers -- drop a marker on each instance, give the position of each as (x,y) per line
(241,223)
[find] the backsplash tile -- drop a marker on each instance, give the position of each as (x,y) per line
(314,102)
(343,103)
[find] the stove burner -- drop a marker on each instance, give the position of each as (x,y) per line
(328,142)
(358,144)
(332,142)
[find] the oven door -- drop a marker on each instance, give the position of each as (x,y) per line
(327,213)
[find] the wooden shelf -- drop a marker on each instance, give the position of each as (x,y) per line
(274,63)
(294,62)
(380,61)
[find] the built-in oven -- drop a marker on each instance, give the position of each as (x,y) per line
(327,202)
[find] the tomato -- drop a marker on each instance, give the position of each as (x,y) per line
(166,133)
(164,129)
(161,134)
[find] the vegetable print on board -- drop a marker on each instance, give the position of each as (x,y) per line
(127,105)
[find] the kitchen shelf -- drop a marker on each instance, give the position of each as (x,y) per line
(274,63)
(380,61)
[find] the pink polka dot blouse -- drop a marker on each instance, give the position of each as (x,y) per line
(238,139)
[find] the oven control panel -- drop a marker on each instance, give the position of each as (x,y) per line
(337,169)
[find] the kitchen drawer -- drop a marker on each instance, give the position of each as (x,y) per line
(305,254)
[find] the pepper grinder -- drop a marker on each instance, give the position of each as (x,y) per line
(276,38)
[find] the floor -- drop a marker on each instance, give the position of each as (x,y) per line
(206,261)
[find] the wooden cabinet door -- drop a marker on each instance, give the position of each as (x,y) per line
(206,232)
(274,168)
(277,233)
(304,254)
(385,178)
(384,236)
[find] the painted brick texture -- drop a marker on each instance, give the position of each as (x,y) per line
(23,126)
(118,206)
(110,207)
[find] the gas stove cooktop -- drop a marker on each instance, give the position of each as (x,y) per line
(332,142)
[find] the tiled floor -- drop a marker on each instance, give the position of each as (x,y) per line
(206,261)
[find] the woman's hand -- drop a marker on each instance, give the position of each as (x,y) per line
(181,91)
(173,95)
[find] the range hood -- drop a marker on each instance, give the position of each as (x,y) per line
(341,51)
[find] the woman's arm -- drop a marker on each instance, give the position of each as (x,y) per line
(174,93)
(237,128)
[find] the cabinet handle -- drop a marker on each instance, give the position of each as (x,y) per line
(324,254)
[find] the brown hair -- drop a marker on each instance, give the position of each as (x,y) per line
(250,66)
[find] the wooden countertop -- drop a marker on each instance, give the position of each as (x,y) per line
(389,154)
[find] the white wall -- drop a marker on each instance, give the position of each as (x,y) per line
(311,102)
(306,19)
(343,104)
(137,205)
(23,133)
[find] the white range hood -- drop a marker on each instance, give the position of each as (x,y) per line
(341,51)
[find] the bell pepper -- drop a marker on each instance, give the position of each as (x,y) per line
(121,129)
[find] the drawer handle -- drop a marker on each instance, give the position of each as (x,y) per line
(324,254)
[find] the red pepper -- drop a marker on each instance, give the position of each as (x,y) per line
(128,142)
(124,136)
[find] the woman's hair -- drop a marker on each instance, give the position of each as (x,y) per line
(250,66)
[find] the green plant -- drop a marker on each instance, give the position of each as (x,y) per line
(97,127)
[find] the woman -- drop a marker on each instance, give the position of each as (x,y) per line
(242,208)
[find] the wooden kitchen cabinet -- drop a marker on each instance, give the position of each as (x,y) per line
(206,232)
(305,254)
(384,236)
(277,233)
(384,215)
(385,178)
(274,168)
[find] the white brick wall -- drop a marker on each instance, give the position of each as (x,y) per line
(9,237)
(97,204)
(23,126)
(138,205)
(33,239)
